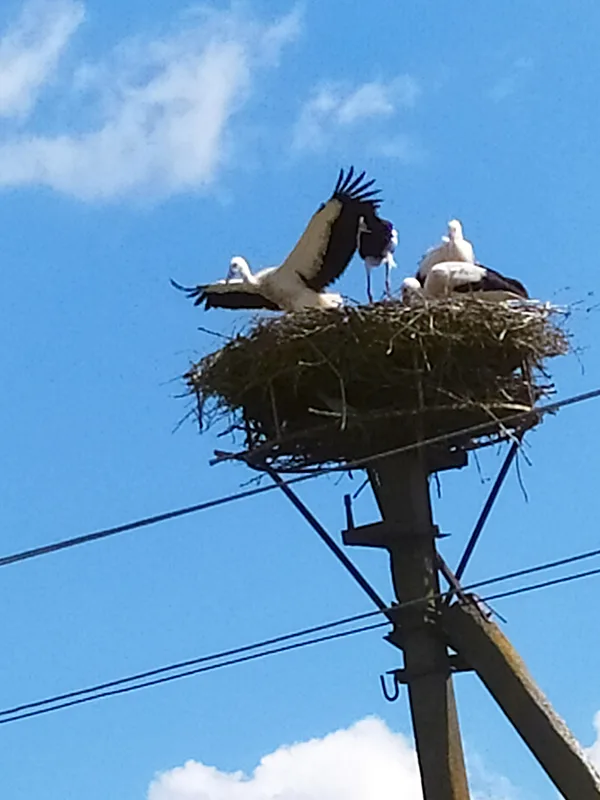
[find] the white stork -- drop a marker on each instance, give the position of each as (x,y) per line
(321,255)
(376,246)
(451,267)
(457,277)
(454,247)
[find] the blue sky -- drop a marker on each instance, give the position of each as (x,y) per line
(141,143)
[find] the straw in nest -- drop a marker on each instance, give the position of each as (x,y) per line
(315,387)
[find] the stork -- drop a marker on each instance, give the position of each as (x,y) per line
(320,256)
(376,246)
(454,247)
(457,276)
(451,267)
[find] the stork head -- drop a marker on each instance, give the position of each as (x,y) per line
(239,268)
(455,230)
(412,291)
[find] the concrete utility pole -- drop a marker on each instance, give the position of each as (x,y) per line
(488,651)
(424,631)
(401,488)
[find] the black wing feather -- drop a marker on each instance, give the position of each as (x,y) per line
(238,300)
(229,299)
(190,291)
(358,200)
(494,281)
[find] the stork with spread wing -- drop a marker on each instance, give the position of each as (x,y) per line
(347,220)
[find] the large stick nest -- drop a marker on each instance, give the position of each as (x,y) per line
(316,387)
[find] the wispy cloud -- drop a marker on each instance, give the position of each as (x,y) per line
(508,84)
(364,761)
(30,50)
(164,108)
(399,147)
(335,108)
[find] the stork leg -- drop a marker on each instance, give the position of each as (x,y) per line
(388,286)
(369,294)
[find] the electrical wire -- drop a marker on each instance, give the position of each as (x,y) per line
(197,670)
(543,585)
(520,573)
(121,685)
(65,544)
(196,661)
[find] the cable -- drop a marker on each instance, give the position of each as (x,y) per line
(108,689)
(165,679)
(130,526)
(219,501)
(79,700)
(195,661)
(520,573)
(543,585)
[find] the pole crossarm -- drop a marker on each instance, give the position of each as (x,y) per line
(487,650)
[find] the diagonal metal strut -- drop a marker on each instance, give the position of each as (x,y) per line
(328,540)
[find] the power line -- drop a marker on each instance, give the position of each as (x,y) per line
(120,686)
(520,573)
(543,585)
(196,661)
(65,544)
(167,678)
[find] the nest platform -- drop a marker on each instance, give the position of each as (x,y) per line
(323,387)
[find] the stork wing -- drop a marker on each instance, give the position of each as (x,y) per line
(238,299)
(327,245)
(496,281)
(434,255)
(190,291)
(226,294)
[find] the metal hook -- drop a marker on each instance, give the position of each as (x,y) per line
(396,693)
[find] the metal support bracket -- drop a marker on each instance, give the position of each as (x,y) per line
(402,677)
(387,534)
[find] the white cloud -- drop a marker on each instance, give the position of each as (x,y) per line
(593,752)
(363,762)
(30,50)
(334,108)
(163,109)
(507,85)
(399,147)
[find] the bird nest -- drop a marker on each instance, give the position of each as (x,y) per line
(318,387)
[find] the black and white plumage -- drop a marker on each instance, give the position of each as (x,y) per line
(451,268)
(458,277)
(321,255)
(377,241)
